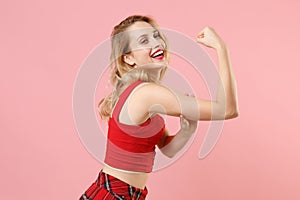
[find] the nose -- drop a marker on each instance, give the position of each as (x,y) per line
(155,43)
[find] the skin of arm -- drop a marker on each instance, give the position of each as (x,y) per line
(156,98)
(170,145)
(226,101)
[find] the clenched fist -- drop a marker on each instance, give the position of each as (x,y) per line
(210,38)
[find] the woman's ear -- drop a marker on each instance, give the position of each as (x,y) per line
(127,58)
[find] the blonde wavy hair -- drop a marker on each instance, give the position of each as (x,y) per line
(123,74)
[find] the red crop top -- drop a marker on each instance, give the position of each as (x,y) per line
(132,147)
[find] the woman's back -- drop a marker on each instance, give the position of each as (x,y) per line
(132,147)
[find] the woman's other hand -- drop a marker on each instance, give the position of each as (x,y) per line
(188,126)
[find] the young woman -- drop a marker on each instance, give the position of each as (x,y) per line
(140,58)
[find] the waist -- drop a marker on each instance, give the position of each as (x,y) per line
(120,158)
(135,179)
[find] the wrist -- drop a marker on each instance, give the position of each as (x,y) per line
(221,47)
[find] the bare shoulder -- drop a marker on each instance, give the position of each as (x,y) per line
(144,91)
(149,98)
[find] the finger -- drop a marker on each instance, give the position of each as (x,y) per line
(201,36)
(184,120)
(181,119)
(184,123)
(200,40)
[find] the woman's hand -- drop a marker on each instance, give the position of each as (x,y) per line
(210,38)
(188,126)
(170,145)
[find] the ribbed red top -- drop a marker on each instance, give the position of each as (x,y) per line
(132,147)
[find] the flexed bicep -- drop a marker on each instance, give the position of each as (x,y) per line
(161,99)
(194,108)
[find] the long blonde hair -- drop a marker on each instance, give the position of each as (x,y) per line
(123,74)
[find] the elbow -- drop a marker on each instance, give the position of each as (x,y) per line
(232,114)
(169,155)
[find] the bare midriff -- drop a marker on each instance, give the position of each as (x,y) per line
(135,179)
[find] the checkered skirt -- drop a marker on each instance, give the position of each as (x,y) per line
(107,187)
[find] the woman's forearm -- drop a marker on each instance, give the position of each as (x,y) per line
(173,144)
(226,102)
(227,98)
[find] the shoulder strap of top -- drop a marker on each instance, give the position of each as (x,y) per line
(122,98)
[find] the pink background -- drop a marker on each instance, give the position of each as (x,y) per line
(43,44)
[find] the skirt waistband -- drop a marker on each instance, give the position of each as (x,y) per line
(119,188)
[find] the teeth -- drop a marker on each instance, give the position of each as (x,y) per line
(158,53)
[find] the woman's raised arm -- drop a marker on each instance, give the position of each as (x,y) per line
(155,98)
(228,99)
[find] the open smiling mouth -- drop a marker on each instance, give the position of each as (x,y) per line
(158,54)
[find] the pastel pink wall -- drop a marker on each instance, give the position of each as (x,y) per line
(42,45)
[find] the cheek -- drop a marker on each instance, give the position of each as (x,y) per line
(146,52)
(143,56)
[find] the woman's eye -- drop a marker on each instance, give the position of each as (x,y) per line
(156,35)
(144,41)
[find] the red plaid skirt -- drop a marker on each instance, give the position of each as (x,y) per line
(107,187)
